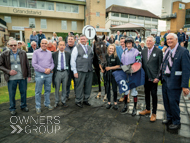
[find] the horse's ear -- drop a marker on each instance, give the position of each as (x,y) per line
(103,38)
(96,38)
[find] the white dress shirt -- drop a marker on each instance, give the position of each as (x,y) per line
(74,55)
(59,61)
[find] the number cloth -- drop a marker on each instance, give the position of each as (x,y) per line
(134,80)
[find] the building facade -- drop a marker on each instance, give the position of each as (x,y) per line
(60,16)
(177,15)
(119,15)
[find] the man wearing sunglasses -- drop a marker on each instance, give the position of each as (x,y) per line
(14,64)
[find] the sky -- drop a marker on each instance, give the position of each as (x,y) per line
(154,6)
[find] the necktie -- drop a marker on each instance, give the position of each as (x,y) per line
(86,49)
(149,52)
(62,62)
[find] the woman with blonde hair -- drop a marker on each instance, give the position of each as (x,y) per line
(54,38)
(113,63)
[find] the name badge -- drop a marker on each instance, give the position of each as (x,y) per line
(42,76)
(16,66)
(154,55)
(112,60)
(178,72)
(85,56)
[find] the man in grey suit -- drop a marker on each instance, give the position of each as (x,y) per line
(61,73)
(81,65)
(151,62)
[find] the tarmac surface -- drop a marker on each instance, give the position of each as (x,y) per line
(91,124)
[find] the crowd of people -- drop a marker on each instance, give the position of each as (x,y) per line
(71,61)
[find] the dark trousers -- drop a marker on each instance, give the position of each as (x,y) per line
(151,88)
(12,86)
(71,76)
(186,44)
(171,98)
(110,80)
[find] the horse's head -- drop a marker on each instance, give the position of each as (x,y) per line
(101,50)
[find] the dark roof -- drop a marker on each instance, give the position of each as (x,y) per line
(132,11)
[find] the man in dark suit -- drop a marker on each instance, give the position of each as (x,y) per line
(142,47)
(175,72)
(33,47)
(151,62)
(61,73)
(118,36)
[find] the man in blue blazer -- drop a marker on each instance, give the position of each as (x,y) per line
(175,73)
(118,36)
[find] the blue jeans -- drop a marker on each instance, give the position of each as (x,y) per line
(12,86)
(46,79)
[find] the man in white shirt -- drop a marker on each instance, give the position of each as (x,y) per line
(81,65)
(61,73)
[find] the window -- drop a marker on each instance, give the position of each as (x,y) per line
(32,4)
(132,16)
(7,19)
(22,3)
(74,8)
(14,3)
(147,19)
(41,5)
(98,14)
(43,24)
(154,19)
(4,2)
(140,18)
(49,6)
(64,25)
(147,26)
(73,25)
(115,14)
(67,7)
(97,26)
(32,23)
(124,15)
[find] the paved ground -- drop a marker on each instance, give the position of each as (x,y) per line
(94,124)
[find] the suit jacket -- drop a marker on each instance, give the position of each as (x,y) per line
(135,46)
(55,60)
(30,49)
(181,64)
(152,66)
(140,48)
(119,37)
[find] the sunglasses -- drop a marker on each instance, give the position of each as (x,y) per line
(12,45)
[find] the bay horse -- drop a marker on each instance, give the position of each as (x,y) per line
(100,51)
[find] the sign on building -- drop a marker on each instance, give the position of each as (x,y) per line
(181,6)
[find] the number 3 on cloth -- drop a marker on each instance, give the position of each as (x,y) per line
(124,86)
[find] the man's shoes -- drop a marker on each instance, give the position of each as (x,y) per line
(65,105)
(38,110)
(56,105)
(49,107)
(144,112)
(124,110)
(115,107)
(134,111)
(153,118)
(167,122)
(79,104)
(86,103)
(121,99)
(174,127)
(67,99)
(25,109)
(108,106)
(13,113)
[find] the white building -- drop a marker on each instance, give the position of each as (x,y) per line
(119,15)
